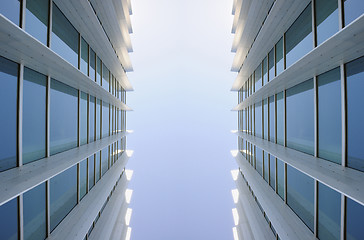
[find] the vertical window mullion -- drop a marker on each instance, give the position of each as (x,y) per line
(20,217)
(314,30)
(49,32)
(315,206)
(316,136)
(20,116)
(341,14)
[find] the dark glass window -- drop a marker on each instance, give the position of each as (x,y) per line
(63,195)
(354,220)
(34,207)
(266,166)
(98,70)
(83,118)
(299,37)
(271,119)
(280,178)
(355,116)
(300,195)
(11,10)
(327,19)
(265,71)
(105,119)
(91,171)
(92,119)
(258,77)
(280,118)
(271,68)
(258,119)
(36,19)
(279,56)
(105,77)
(92,65)
(272,171)
(329,115)
(64,37)
(98,118)
(84,56)
(8,96)
(329,213)
(83,178)
(259,160)
(352,10)
(98,166)
(104,160)
(34,115)
(9,220)
(300,117)
(63,131)
(265,118)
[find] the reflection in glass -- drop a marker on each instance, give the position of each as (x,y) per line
(98,118)
(299,37)
(34,115)
(104,160)
(258,77)
(97,166)
(271,68)
(329,115)
(355,116)
(258,119)
(259,160)
(352,10)
(36,19)
(279,56)
(84,56)
(105,119)
(329,213)
(92,65)
(63,195)
(11,10)
(105,77)
(266,166)
(280,178)
(8,96)
(265,71)
(280,118)
(63,131)
(9,220)
(265,117)
(272,171)
(327,19)
(64,37)
(83,118)
(83,178)
(34,208)
(92,119)
(91,171)
(271,119)
(98,71)
(354,220)
(300,195)
(300,117)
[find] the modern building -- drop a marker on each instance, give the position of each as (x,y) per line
(63,87)
(300,87)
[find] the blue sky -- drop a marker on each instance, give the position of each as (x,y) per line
(182,120)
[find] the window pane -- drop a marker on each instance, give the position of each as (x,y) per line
(98,166)
(83,178)
(354,220)
(265,71)
(299,37)
(91,171)
(92,65)
(98,71)
(266,166)
(34,207)
(271,64)
(300,117)
(9,220)
(265,117)
(105,119)
(84,56)
(98,118)
(258,77)
(11,10)
(280,118)
(8,96)
(279,56)
(258,119)
(271,119)
(327,19)
(355,116)
(280,178)
(83,118)
(259,160)
(329,213)
(104,160)
(92,119)
(34,115)
(63,195)
(64,37)
(105,77)
(63,131)
(272,171)
(300,195)
(36,19)
(329,115)
(353,9)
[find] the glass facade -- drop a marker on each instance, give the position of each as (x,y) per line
(83,178)
(97,166)
(279,56)
(11,10)
(258,77)
(259,160)
(327,19)
(265,118)
(34,115)
(258,119)
(280,118)
(98,118)
(9,220)
(105,119)
(104,160)
(92,116)
(266,166)
(265,70)
(36,19)
(91,171)
(272,121)
(271,66)
(280,178)
(272,172)
(98,70)
(352,10)
(92,68)
(84,57)
(354,220)
(83,118)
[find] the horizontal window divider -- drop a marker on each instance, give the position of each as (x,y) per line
(77,223)
(344,46)
(280,18)
(21,47)
(286,223)
(342,179)
(255,221)
(21,179)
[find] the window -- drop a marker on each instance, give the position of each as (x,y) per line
(36,19)
(280,178)
(105,78)
(329,213)
(280,118)
(84,57)
(97,166)
(327,19)
(92,119)
(98,118)
(34,210)
(258,119)
(266,166)
(300,195)
(258,78)
(98,70)
(272,171)
(271,119)
(8,96)
(279,56)
(265,71)
(300,117)
(329,115)
(299,37)
(9,220)
(265,118)
(83,178)
(271,68)
(63,131)
(92,67)
(259,160)
(64,37)
(34,115)
(352,10)
(91,171)
(354,220)
(105,119)
(83,118)
(63,195)
(11,10)
(355,117)
(104,160)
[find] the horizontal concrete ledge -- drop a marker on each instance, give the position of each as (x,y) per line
(17,45)
(20,179)
(345,46)
(286,223)
(77,223)
(343,179)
